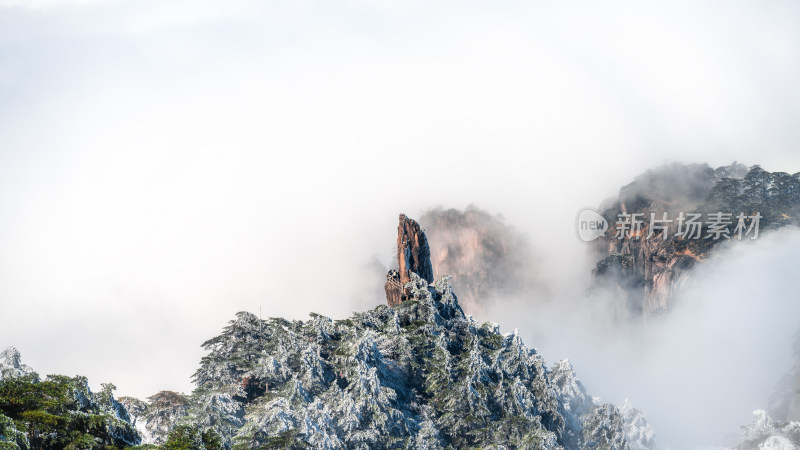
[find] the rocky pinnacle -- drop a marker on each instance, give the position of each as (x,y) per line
(413,255)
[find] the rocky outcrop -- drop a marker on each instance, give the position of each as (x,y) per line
(395,293)
(487,258)
(645,268)
(413,256)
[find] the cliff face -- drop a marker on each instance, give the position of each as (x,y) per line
(645,271)
(485,257)
(413,256)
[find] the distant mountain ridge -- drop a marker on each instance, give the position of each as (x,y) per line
(644,273)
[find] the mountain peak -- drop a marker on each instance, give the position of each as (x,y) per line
(645,268)
(413,257)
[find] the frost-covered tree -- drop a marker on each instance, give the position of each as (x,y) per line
(604,429)
(420,375)
(61,412)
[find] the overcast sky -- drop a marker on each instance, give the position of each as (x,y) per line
(165,164)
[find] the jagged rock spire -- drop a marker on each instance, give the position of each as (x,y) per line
(413,252)
(413,255)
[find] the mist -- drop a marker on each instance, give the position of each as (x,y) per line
(697,371)
(165,165)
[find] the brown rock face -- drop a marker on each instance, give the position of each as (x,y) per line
(487,258)
(394,290)
(645,272)
(413,255)
(413,252)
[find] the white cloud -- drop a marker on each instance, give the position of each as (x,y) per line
(167,165)
(699,371)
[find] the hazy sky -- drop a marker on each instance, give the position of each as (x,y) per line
(165,164)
